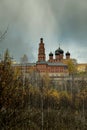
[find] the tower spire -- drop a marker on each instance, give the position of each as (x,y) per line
(41,51)
(41,40)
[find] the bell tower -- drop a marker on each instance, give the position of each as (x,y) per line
(41,51)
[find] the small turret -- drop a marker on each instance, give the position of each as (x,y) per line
(50,56)
(67,55)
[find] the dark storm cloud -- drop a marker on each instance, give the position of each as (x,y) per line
(57,21)
(73,23)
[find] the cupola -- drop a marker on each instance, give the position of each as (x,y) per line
(67,55)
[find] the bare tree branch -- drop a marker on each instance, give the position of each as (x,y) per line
(3,35)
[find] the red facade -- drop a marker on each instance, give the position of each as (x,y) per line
(52,66)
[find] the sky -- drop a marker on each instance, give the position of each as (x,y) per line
(59,22)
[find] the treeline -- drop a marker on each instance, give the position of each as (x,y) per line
(34,103)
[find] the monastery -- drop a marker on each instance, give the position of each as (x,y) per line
(56,66)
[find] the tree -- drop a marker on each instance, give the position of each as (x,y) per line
(10,92)
(6,79)
(71,67)
(24,59)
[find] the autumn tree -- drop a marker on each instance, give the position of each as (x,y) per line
(71,67)
(10,90)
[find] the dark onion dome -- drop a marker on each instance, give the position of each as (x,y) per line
(59,50)
(50,54)
(57,53)
(67,53)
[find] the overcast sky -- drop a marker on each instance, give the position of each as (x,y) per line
(61,22)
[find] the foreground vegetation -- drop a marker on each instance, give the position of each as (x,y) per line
(34,103)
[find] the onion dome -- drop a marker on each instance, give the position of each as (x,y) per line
(59,50)
(67,53)
(57,53)
(50,54)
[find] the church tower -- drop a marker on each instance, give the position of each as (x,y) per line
(41,51)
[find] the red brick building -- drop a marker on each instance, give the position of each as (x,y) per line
(54,67)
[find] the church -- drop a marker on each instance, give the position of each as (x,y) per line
(55,66)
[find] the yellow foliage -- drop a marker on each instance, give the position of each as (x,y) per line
(66,95)
(52,93)
(71,67)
